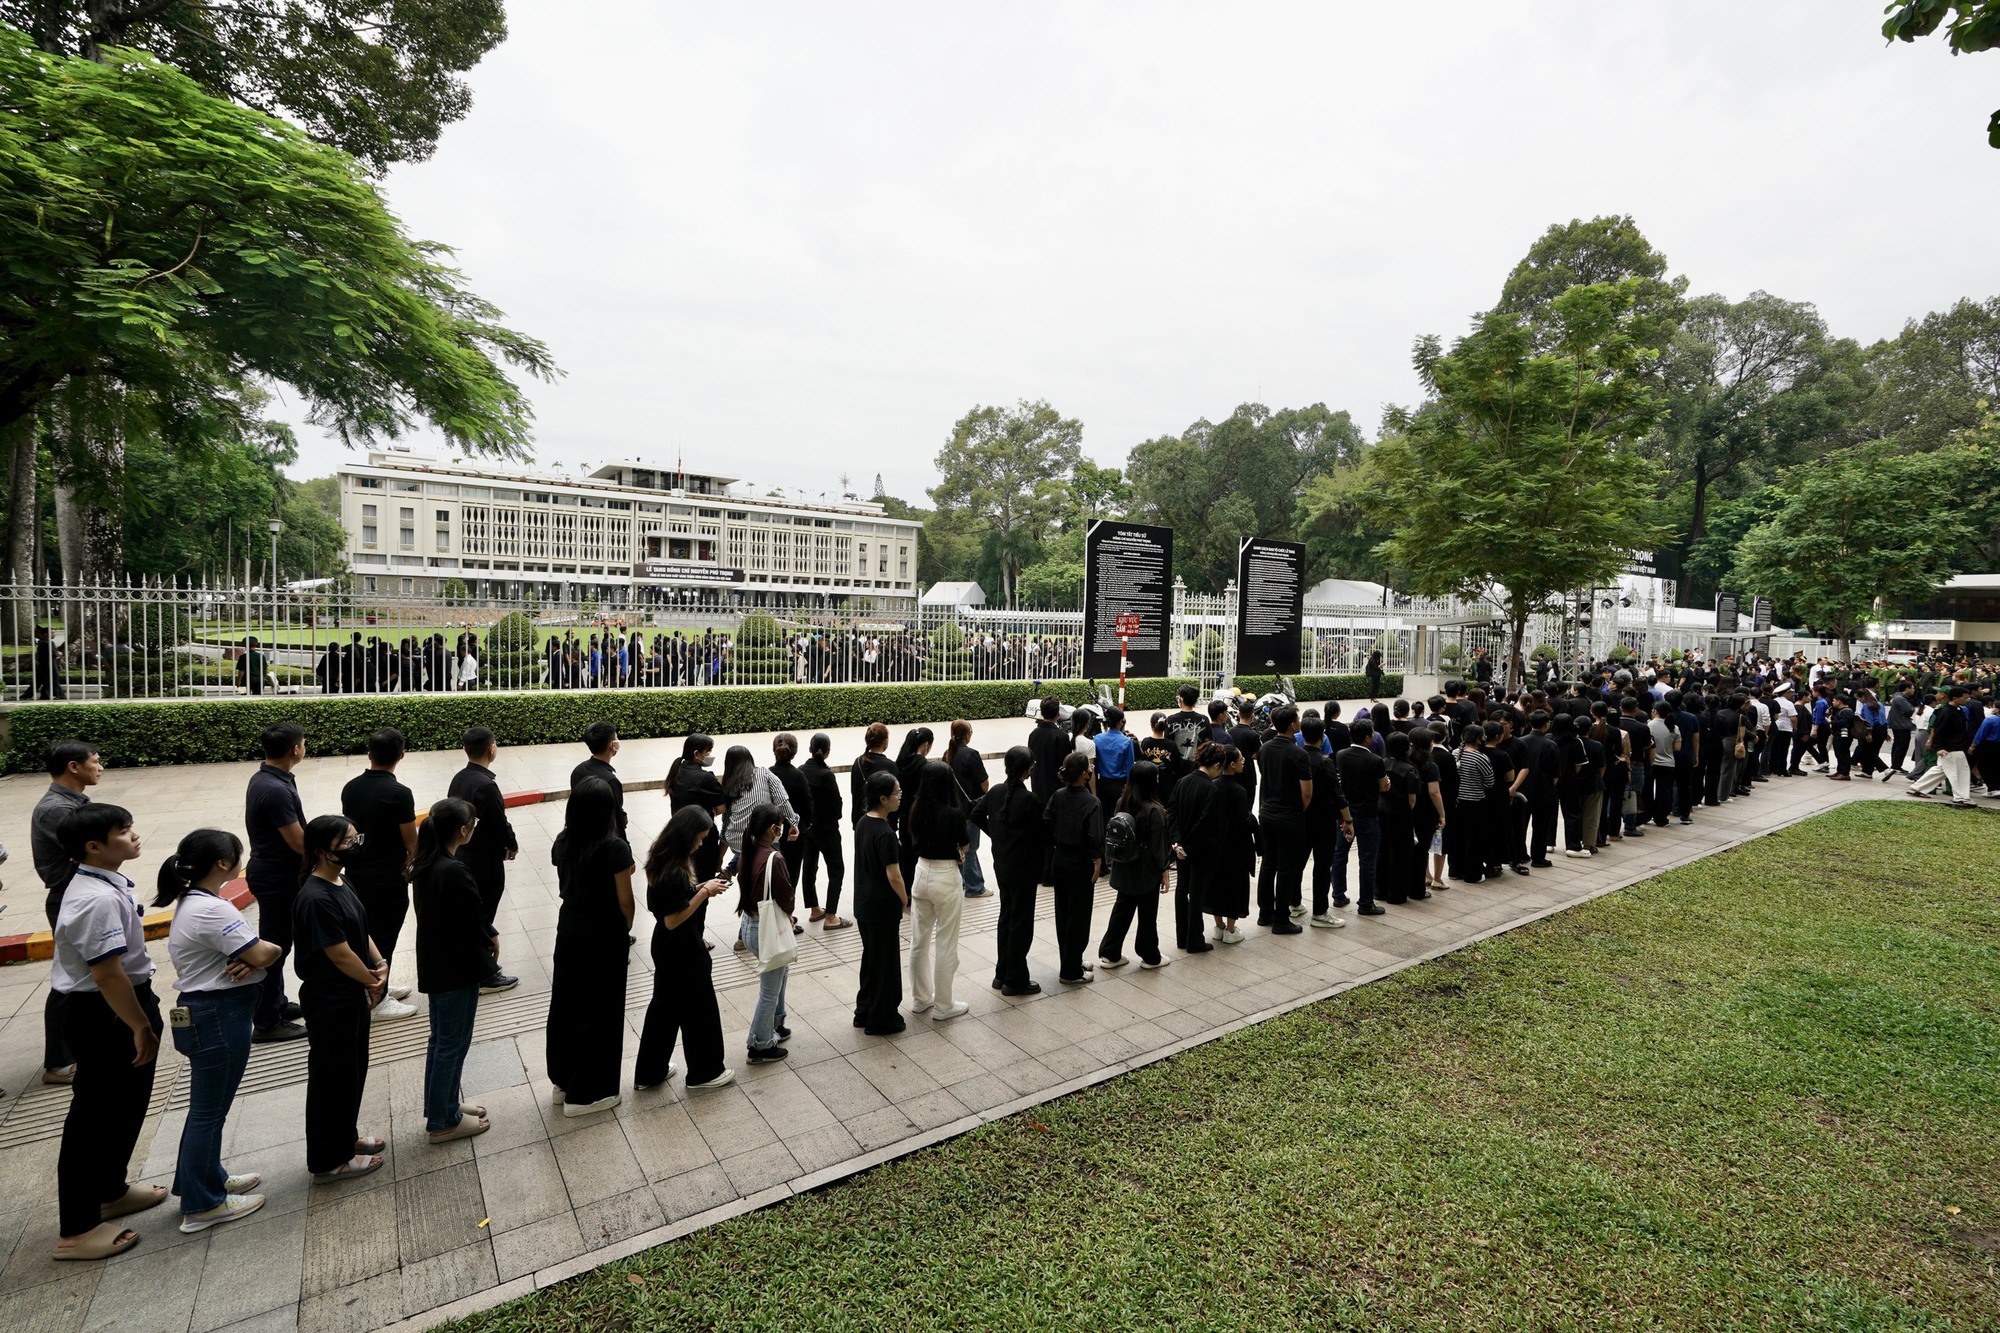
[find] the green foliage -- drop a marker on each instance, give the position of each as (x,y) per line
(1974,26)
(1514,472)
(373,80)
(1835,546)
(1218,482)
(1620,653)
(452,588)
(1583,254)
(177,245)
(1543,653)
(1006,467)
(1204,650)
(226,730)
(1939,376)
(1451,653)
(508,658)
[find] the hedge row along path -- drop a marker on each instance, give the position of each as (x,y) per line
(143,734)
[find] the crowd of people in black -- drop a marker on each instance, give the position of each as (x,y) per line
(1237,811)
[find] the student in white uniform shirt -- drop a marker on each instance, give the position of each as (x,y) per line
(219,966)
(112,1024)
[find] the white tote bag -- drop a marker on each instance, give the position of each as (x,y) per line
(776,945)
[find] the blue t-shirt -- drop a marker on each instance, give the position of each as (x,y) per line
(1114,754)
(1989,732)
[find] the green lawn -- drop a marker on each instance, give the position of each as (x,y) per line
(1762,1091)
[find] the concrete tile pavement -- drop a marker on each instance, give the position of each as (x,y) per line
(542,1196)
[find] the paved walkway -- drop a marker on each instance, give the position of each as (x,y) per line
(441,1230)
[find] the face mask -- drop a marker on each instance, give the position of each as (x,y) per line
(707,760)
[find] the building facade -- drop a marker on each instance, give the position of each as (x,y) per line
(629,534)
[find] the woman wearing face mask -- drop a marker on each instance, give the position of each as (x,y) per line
(341,978)
(691,782)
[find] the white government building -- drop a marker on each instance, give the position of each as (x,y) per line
(630,533)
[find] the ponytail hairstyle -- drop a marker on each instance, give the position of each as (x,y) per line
(692,746)
(322,835)
(1142,788)
(1074,766)
(1209,755)
(961,732)
(448,818)
(820,746)
(199,850)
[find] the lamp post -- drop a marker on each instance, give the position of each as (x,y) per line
(277,527)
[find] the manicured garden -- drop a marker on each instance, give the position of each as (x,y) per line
(1760,1091)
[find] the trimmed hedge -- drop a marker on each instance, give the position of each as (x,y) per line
(148,733)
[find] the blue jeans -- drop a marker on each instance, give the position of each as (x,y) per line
(970,877)
(770,1015)
(1367,844)
(452,1012)
(217,1046)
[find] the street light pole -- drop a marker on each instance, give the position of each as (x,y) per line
(276,528)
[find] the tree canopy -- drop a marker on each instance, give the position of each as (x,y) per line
(174,245)
(1007,467)
(1970,25)
(1515,472)
(375,78)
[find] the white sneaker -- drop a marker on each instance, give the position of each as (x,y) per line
(242,1184)
(722,1080)
(1231,937)
(1327,922)
(1298,912)
(389,1009)
(1145,966)
(1102,961)
(919,1006)
(399,992)
(573,1109)
(1572,851)
(232,1207)
(951,1011)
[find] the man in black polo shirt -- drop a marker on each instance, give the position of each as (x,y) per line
(1544,768)
(384,812)
(601,739)
(1285,791)
(1363,779)
(276,824)
(1329,828)
(1050,745)
(492,844)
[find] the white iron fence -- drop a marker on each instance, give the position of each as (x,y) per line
(145,639)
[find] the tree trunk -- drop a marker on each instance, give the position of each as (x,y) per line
(24,510)
(1517,671)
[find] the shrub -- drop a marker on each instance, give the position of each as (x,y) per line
(1542,652)
(509,660)
(226,730)
(1620,653)
(1450,654)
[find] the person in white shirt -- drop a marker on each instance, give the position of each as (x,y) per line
(112,1023)
(218,965)
(1784,735)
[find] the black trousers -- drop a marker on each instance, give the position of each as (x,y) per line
(881,992)
(336,1069)
(1286,845)
(490,873)
(1899,747)
(274,926)
(385,899)
(1188,892)
(1109,792)
(1781,751)
(1329,856)
(684,1008)
(55,1048)
(1686,787)
(1015,934)
(1145,909)
(821,845)
(1571,799)
(1843,754)
(1660,793)
(1075,895)
(1543,818)
(1612,820)
(107,1106)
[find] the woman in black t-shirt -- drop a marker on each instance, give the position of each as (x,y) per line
(880,898)
(691,782)
(1398,869)
(456,950)
(1011,816)
(683,1003)
(1573,784)
(341,977)
(1075,827)
(586,1034)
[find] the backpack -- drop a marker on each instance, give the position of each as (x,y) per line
(1121,839)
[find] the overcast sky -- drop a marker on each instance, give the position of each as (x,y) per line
(795,240)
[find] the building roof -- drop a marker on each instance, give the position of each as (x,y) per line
(954,594)
(1346,592)
(1973,583)
(664,469)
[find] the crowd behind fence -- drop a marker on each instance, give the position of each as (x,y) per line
(143,639)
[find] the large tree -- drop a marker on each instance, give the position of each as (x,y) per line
(1939,376)
(375,78)
(1515,473)
(1974,25)
(1218,482)
(164,248)
(996,469)
(1578,254)
(1835,545)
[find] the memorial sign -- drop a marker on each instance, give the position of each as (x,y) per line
(1127,571)
(1270,605)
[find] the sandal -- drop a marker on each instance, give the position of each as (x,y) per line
(468,1127)
(367,1147)
(349,1170)
(100,1242)
(836,923)
(135,1200)
(476,1112)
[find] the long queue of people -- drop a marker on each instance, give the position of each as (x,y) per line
(1236,814)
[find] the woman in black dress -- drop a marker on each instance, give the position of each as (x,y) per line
(683,1003)
(881,897)
(1010,815)
(586,1036)
(1191,831)
(1235,837)
(1074,824)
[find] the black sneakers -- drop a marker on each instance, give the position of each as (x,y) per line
(767,1055)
